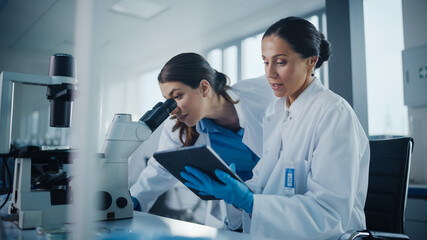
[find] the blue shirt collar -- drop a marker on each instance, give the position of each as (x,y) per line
(207,125)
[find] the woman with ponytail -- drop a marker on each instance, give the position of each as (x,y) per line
(312,180)
(209,112)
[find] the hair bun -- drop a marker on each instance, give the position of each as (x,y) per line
(325,51)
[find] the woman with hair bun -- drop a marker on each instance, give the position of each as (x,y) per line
(312,180)
(209,112)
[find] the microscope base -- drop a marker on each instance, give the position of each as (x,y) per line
(114,195)
(33,207)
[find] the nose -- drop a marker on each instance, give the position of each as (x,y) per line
(270,71)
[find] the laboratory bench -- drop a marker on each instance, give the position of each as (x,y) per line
(149,226)
(141,226)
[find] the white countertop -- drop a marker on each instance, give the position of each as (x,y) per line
(141,226)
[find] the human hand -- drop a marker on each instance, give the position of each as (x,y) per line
(230,190)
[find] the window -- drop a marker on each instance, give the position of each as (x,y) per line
(152,94)
(230,63)
(215,59)
(241,58)
(387,114)
(252,64)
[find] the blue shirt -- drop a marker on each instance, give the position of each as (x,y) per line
(229,146)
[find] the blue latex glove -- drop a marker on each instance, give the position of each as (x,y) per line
(136,204)
(230,190)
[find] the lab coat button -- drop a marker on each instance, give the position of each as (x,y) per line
(269,119)
(262,188)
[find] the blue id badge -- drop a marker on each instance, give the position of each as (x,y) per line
(289,182)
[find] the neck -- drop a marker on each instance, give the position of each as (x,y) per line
(294,96)
(223,113)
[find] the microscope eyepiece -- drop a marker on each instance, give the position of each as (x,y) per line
(170,105)
(155,117)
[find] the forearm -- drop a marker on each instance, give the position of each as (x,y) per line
(151,183)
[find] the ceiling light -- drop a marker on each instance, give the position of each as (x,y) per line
(139,8)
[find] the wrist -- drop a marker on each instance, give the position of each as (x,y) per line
(248,204)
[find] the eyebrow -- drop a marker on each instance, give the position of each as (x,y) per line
(172,91)
(278,55)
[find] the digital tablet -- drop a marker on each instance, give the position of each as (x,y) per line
(203,158)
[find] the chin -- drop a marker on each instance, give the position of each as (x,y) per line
(279,94)
(190,124)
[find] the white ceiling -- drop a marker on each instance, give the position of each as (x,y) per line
(187,25)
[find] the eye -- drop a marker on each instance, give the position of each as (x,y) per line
(178,96)
(281,62)
(265,63)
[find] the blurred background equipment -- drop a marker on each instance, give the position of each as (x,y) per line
(41,188)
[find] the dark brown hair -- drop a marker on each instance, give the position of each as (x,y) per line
(303,37)
(190,69)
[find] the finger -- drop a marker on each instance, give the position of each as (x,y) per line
(223,176)
(194,186)
(184,175)
(233,167)
(190,178)
(187,176)
(198,174)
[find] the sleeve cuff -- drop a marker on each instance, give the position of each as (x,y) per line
(234,217)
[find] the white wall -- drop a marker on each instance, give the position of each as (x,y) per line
(415,35)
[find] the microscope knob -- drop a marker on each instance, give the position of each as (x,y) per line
(121,202)
(105,200)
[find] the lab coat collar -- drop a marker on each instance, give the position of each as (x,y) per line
(302,101)
(237,106)
(232,94)
(204,125)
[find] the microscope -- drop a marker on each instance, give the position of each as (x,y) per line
(122,139)
(41,187)
(40,191)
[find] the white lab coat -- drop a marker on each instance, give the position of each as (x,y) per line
(254,96)
(321,137)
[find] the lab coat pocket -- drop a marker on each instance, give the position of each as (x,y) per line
(294,177)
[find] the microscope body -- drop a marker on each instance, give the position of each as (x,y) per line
(122,139)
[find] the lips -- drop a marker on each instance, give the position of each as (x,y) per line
(276,86)
(182,117)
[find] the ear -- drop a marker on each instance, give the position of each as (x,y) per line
(312,61)
(204,87)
